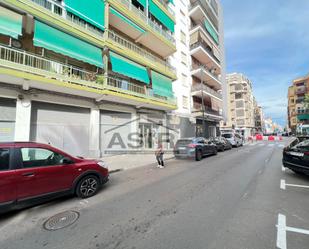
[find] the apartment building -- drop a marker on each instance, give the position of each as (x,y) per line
(258,118)
(241,104)
(86,78)
(200,58)
(297,112)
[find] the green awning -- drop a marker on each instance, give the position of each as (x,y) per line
(142,2)
(128,21)
(302,117)
(171,1)
(211,31)
(161,16)
(63,43)
(128,68)
(91,11)
(10,23)
(161,85)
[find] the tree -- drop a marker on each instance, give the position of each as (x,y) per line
(306,101)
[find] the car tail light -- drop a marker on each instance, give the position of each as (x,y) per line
(306,153)
(192,145)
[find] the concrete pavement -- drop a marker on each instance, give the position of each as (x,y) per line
(230,201)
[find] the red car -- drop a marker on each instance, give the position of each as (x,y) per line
(32,173)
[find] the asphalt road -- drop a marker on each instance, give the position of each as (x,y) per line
(232,200)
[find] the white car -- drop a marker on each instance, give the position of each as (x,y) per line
(234,138)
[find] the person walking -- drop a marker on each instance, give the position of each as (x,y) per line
(159,156)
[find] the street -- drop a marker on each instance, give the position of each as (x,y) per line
(234,200)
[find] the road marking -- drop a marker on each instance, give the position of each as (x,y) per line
(270,145)
(283,185)
(261,144)
(282,168)
(282,228)
(281,145)
(281,232)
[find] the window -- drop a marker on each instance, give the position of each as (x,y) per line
(4,159)
(184,80)
(183,58)
(238,96)
(37,157)
(183,37)
(240,113)
(185,102)
(240,104)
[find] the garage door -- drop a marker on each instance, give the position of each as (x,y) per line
(114,130)
(64,127)
(7,119)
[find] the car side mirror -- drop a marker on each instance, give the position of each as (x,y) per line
(66,160)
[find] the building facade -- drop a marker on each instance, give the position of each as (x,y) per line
(200,63)
(86,78)
(259,118)
(298,114)
(240,104)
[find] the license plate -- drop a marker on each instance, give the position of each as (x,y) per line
(292,153)
(181,148)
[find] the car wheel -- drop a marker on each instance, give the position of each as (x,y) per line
(87,186)
(198,156)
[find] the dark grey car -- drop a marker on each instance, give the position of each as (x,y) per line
(195,148)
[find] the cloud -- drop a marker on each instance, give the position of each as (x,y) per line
(267,41)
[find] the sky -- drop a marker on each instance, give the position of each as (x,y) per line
(268,41)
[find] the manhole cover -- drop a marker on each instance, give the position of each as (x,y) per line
(61,220)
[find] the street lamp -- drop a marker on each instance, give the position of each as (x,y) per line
(203,106)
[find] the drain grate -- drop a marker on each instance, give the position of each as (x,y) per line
(61,220)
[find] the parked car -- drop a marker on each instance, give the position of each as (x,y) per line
(32,173)
(194,148)
(222,143)
(296,156)
(235,139)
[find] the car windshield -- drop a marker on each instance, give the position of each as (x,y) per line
(227,135)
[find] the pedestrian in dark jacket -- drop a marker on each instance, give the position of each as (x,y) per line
(159,156)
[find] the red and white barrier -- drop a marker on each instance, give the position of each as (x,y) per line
(265,138)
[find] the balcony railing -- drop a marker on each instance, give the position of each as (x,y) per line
(208,50)
(208,110)
(302,111)
(130,45)
(202,87)
(61,11)
(141,14)
(27,62)
(196,66)
(301,90)
(121,85)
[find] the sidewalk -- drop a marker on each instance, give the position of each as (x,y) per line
(130,161)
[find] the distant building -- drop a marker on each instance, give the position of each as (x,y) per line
(297,113)
(240,115)
(258,118)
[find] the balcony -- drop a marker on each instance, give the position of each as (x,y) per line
(198,10)
(198,88)
(203,53)
(165,4)
(120,85)
(301,90)
(59,10)
(208,111)
(205,35)
(52,70)
(114,37)
(206,75)
(154,26)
